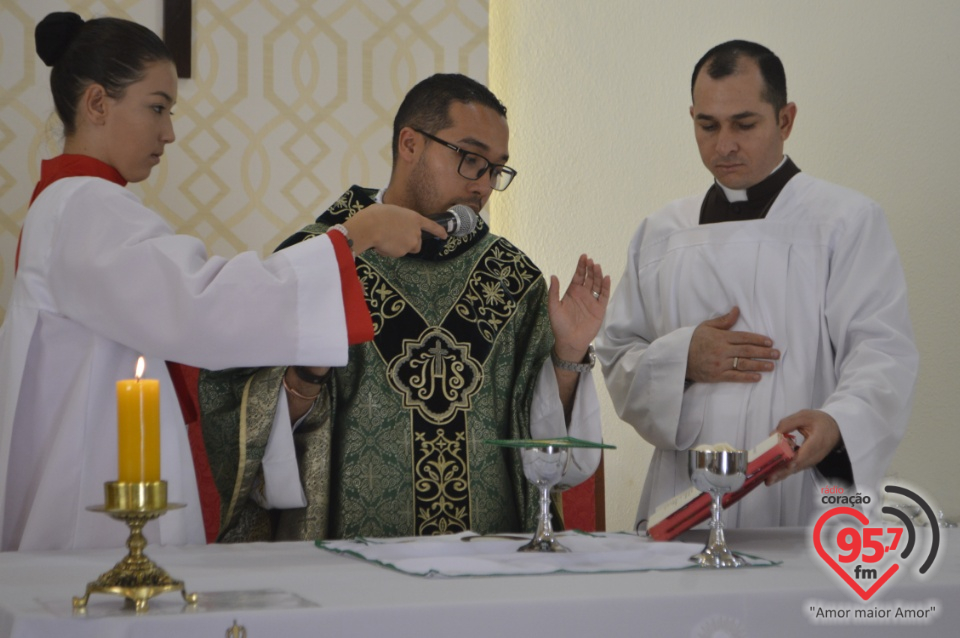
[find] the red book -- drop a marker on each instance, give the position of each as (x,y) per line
(692,507)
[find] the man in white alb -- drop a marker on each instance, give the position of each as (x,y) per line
(775,301)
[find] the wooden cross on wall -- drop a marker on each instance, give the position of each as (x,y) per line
(178,33)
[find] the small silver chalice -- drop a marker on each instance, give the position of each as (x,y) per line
(543,466)
(717,472)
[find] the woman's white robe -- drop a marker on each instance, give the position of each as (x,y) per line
(103,279)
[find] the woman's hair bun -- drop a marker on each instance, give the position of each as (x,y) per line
(55,33)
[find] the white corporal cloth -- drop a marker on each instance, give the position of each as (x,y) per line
(102,280)
(469,554)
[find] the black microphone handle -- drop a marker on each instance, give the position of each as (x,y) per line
(449,221)
(458,221)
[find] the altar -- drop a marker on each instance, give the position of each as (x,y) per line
(292,589)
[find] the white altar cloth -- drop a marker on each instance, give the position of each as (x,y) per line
(332,595)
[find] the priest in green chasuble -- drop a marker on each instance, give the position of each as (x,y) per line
(469,344)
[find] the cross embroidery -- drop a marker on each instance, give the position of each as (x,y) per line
(428,275)
(370,406)
(370,475)
(438,351)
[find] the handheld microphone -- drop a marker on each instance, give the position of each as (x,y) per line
(458,221)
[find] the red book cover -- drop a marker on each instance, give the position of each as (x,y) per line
(692,506)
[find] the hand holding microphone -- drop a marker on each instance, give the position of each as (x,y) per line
(458,221)
(394,231)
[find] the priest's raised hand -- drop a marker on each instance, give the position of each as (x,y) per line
(575,320)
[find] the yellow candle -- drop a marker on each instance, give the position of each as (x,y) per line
(138,428)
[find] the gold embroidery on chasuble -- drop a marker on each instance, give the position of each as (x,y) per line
(436,377)
(437,372)
(442,483)
(494,289)
(410,399)
(383,302)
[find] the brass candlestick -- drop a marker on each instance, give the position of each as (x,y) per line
(136,577)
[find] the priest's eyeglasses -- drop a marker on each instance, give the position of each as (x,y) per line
(474,166)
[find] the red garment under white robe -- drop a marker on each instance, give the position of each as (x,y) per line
(102,279)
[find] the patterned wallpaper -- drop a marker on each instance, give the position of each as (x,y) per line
(290,102)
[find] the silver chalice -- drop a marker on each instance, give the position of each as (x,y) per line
(717,472)
(543,466)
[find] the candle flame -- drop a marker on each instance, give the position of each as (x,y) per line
(140,366)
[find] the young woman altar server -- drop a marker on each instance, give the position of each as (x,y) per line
(101,279)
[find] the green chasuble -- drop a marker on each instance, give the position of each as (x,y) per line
(461,333)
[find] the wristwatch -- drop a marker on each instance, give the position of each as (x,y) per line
(589,360)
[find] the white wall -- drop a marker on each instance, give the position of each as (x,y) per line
(598,94)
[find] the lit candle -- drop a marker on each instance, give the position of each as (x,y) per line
(138,428)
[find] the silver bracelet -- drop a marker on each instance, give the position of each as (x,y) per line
(340,228)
